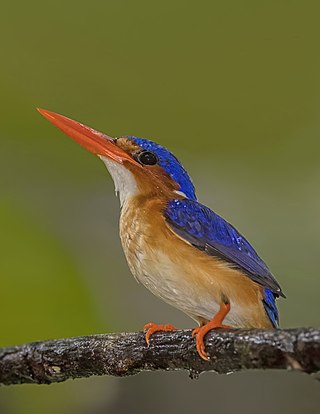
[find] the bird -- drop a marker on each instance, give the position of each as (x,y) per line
(181,250)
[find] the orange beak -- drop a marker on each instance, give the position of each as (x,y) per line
(92,140)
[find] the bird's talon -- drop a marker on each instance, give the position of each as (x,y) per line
(215,323)
(152,328)
(148,325)
(195,331)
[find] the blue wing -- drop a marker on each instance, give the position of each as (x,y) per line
(207,231)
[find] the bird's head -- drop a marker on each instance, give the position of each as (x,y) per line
(136,165)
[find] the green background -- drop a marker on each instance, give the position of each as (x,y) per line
(233,89)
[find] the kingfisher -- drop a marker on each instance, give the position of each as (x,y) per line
(179,249)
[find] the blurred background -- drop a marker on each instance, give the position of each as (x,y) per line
(233,89)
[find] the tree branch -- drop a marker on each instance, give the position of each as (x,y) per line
(127,354)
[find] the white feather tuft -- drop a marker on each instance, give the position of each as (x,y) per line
(124,181)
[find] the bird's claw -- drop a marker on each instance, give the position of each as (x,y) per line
(201,332)
(152,328)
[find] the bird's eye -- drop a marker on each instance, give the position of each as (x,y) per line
(147,158)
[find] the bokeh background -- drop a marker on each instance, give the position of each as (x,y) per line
(233,89)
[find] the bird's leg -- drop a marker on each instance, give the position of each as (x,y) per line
(151,328)
(216,322)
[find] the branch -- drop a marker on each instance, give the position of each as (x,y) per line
(127,354)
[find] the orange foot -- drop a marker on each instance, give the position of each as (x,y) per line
(215,323)
(151,328)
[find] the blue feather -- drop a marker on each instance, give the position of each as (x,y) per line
(170,164)
(270,306)
(207,231)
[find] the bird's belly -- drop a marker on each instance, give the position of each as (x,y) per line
(176,285)
(165,280)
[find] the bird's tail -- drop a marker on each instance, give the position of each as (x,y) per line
(269,303)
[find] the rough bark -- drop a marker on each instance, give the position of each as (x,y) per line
(124,354)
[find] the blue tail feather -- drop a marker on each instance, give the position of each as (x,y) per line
(270,306)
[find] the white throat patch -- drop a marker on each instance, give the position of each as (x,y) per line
(124,181)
